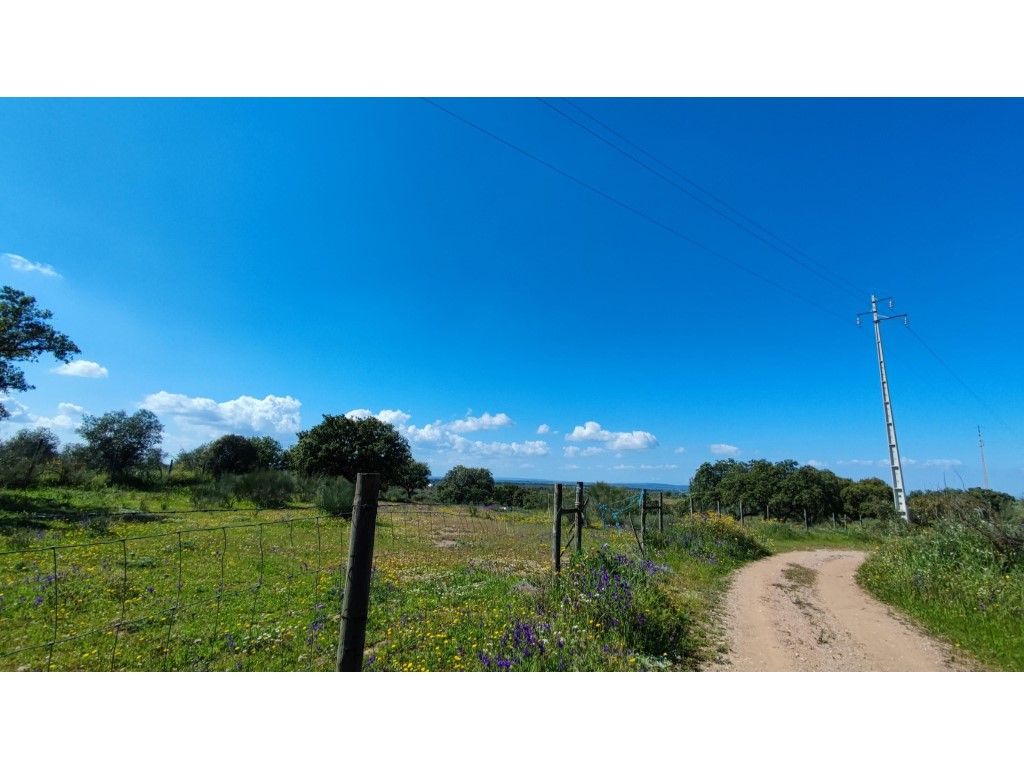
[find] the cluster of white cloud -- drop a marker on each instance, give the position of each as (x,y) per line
(543,429)
(85,369)
(67,417)
(591,431)
(208,418)
(723,449)
(907,462)
(449,435)
(477,423)
(646,466)
(21,264)
(816,464)
(574,450)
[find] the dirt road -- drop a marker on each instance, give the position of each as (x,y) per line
(803,611)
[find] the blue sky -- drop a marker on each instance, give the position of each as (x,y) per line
(247,266)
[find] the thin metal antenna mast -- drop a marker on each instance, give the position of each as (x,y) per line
(899,496)
(984,466)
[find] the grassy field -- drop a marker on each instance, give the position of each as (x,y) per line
(85,587)
(453,588)
(955,584)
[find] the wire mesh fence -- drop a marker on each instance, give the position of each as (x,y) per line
(263,591)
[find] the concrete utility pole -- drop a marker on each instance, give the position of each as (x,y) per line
(984,466)
(898,495)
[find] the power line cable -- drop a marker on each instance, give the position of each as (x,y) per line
(952,372)
(821,271)
(632,209)
(746,223)
(810,267)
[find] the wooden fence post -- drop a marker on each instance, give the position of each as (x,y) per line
(741,511)
(556,532)
(661,511)
(690,495)
(579,517)
(356,602)
(643,519)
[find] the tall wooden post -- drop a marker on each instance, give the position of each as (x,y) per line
(556,531)
(643,518)
(661,511)
(356,602)
(579,517)
(690,496)
(741,511)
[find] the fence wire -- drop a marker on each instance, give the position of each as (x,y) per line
(264,593)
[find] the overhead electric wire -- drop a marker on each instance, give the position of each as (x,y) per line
(952,372)
(632,209)
(686,238)
(811,262)
(821,271)
(735,219)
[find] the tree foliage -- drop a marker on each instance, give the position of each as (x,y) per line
(230,454)
(466,485)
(25,454)
(413,476)
(784,489)
(117,442)
(25,335)
(342,447)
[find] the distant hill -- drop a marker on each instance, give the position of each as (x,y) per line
(634,486)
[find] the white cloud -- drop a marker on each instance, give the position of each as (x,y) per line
(591,431)
(431,433)
(816,464)
(67,417)
(577,466)
(543,429)
(480,448)
(15,408)
(388,416)
(659,466)
(21,264)
(943,463)
(723,449)
(680,449)
(245,413)
(856,462)
(624,466)
(85,369)
(477,423)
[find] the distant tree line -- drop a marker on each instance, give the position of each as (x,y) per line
(785,490)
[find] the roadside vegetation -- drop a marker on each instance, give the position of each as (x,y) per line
(959,572)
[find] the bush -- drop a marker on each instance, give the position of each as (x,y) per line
(711,540)
(211,496)
(334,496)
(267,489)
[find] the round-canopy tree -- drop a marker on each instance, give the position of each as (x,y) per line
(230,454)
(466,485)
(117,442)
(340,446)
(25,335)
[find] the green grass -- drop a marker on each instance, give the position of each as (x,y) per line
(954,583)
(453,589)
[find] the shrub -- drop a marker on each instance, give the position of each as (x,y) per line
(334,496)
(266,489)
(711,539)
